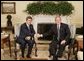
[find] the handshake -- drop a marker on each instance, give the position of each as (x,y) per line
(36,35)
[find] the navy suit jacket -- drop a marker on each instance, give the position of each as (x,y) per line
(64,32)
(24,31)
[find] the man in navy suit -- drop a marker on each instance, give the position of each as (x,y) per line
(61,34)
(26,36)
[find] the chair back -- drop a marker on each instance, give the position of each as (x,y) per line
(72,30)
(17,29)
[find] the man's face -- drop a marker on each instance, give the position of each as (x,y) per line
(29,21)
(57,20)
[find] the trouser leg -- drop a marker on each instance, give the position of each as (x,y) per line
(30,46)
(53,48)
(60,50)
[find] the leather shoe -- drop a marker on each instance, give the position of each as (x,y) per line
(28,56)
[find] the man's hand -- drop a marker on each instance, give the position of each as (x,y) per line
(28,38)
(63,42)
(38,35)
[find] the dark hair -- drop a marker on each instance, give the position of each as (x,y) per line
(29,17)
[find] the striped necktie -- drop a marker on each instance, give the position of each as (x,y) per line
(58,31)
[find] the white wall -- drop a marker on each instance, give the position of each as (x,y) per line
(76,18)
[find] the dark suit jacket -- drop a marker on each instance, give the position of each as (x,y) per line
(64,32)
(24,31)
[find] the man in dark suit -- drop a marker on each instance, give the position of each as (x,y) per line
(26,36)
(61,34)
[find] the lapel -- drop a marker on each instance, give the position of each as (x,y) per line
(55,28)
(26,27)
(61,27)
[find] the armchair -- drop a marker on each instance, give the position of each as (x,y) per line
(72,42)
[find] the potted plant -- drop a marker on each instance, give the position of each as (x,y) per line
(50,8)
(62,8)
